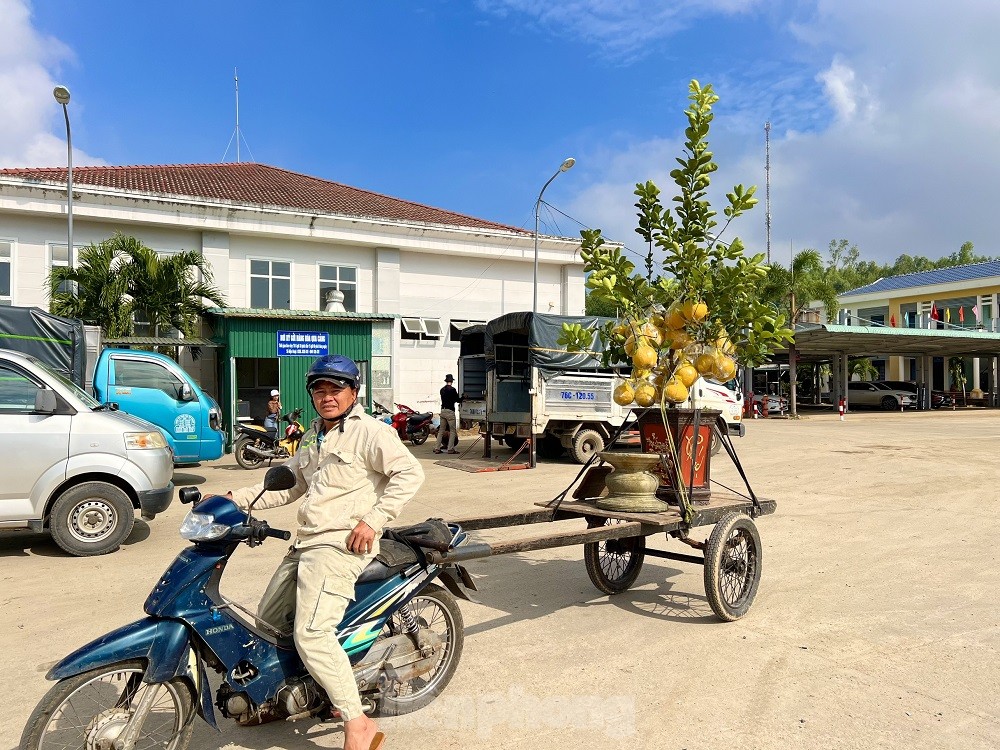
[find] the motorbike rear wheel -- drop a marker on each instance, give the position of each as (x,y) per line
(435,609)
(243,457)
(420,436)
(90,710)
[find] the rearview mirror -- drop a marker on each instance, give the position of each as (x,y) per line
(186,393)
(279,478)
(45,401)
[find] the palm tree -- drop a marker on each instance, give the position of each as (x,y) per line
(120,278)
(864,369)
(169,291)
(794,288)
(101,289)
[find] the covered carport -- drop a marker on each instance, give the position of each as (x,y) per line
(838,344)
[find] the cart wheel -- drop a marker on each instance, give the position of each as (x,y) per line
(732,566)
(613,565)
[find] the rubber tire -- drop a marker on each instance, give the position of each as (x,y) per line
(62,509)
(889,403)
(513,441)
(715,551)
(249,462)
(550,447)
(390,707)
(716,440)
(420,436)
(63,689)
(635,546)
(585,444)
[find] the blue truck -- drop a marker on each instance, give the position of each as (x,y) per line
(144,384)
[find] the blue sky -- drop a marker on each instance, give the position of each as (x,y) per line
(883,116)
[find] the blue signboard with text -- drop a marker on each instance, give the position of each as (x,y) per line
(303,344)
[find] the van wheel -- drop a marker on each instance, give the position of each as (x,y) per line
(550,447)
(92,518)
(585,444)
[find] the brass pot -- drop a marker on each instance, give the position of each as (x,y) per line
(631,486)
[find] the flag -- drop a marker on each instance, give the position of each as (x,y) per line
(934,312)
(961,314)
(975,311)
(947,315)
(892,320)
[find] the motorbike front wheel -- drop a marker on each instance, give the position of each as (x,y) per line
(419,437)
(245,458)
(92,709)
(435,609)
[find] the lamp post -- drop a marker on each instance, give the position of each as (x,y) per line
(61,94)
(566,165)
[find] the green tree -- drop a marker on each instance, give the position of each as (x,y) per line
(594,305)
(864,369)
(120,278)
(167,291)
(101,289)
(794,289)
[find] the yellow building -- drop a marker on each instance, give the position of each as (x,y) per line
(957,298)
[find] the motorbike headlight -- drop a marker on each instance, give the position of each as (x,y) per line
(201,527)
(145,440)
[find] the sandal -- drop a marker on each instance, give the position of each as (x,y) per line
(438,450)
(455,452)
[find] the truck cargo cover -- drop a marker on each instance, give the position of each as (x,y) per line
(542,332)
(56,341)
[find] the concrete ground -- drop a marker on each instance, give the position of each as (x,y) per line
(876,622)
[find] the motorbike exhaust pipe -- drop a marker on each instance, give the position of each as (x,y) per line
(258,452)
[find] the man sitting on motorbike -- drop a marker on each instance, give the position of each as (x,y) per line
(354,476)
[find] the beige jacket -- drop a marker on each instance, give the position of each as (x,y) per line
(361,474)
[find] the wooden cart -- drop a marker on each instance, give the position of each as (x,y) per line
(615,542)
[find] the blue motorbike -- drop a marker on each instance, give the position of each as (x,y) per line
(142,685)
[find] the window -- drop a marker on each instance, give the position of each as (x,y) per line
(457,326)
(270,284)
(17,392)
(421,329)
(343,279)
(6,257)
(136,374)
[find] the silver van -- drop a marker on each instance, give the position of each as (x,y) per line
(74,467)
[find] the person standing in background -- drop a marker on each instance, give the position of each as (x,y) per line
(449,397)
(273,411)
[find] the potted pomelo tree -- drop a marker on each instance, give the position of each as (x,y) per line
(700,315)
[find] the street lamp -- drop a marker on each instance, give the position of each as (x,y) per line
(565,166)
(61,94)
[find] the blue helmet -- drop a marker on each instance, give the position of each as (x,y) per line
(335,368)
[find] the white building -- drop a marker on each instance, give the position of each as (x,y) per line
(280,240)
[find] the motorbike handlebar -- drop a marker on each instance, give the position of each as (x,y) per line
(278,534)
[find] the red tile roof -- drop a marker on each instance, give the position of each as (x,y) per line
(258,184)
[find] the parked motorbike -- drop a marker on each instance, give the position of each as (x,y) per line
(142,684)
(411,425)
(255,445)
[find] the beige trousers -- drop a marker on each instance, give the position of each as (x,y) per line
(448,422)
(310,591)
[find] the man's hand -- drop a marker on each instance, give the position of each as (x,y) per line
(361,539)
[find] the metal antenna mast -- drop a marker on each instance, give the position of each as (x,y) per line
(767,187)
(236,79)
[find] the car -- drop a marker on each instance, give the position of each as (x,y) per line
(938,398)
(868,393)
(775,404)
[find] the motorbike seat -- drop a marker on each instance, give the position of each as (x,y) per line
(396,553)
(418,418)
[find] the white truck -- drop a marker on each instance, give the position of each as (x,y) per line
(533,387)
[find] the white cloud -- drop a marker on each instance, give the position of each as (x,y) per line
(622,29)
(890,142)
(32,129)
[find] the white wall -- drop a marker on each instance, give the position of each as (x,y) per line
(444,273)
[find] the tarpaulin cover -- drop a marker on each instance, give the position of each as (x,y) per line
(542,332)
(56,341)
